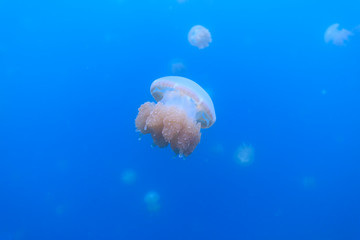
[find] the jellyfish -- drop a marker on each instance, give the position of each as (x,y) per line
(199,36)
(177,67)
(357,29)
(336,36)
(308,182)
(60,210)
(182,109)
(128,176)
(152,201)
(218,148)
(244,155)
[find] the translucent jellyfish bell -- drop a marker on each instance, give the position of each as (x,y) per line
(128,176)
(357,29)
(182,109)
(152,201)
(308,182)
(244,155)
(186,94)
(338,37)
(199,36)
(177,67)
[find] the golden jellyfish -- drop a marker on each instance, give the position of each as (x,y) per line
(244,155)
(199,36)
(152,201)
(308,182)
(336,36)
(128,176)
(177,67)
(357,29)
(182,109)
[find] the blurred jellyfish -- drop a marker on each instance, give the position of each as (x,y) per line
(177,67)
(181,1)
(128,176)
(199,36)
(60,210)
(108,37)
(152,201)
(218,148)
(336,36)
(357,29)
(244,155)
(308,182)
(182,109)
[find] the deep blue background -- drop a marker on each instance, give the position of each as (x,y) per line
(73,73)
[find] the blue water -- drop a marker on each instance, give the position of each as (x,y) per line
(73,74)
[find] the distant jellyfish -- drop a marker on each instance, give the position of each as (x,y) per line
(60,210)
(218,148)
(336,36)
(177,67)
(357,28)
(128,176)
(182,109)
(245,154)
(152,201)
(308,182)
(199,36)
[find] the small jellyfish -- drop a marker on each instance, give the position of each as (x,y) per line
(308,182)
(336,36)
(244,155)
(128,176)
(218,148)
(357,29)
(199,36)
(152,201)
(182,109)
(177,67)
(60,210)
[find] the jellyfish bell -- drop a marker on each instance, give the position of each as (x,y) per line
(199,36)
(128,176)
(308,182)
(152,201)
(336,36)
(218,148)
(357,29)
(244,155)
(177,67)
(187,95)
(182,109)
